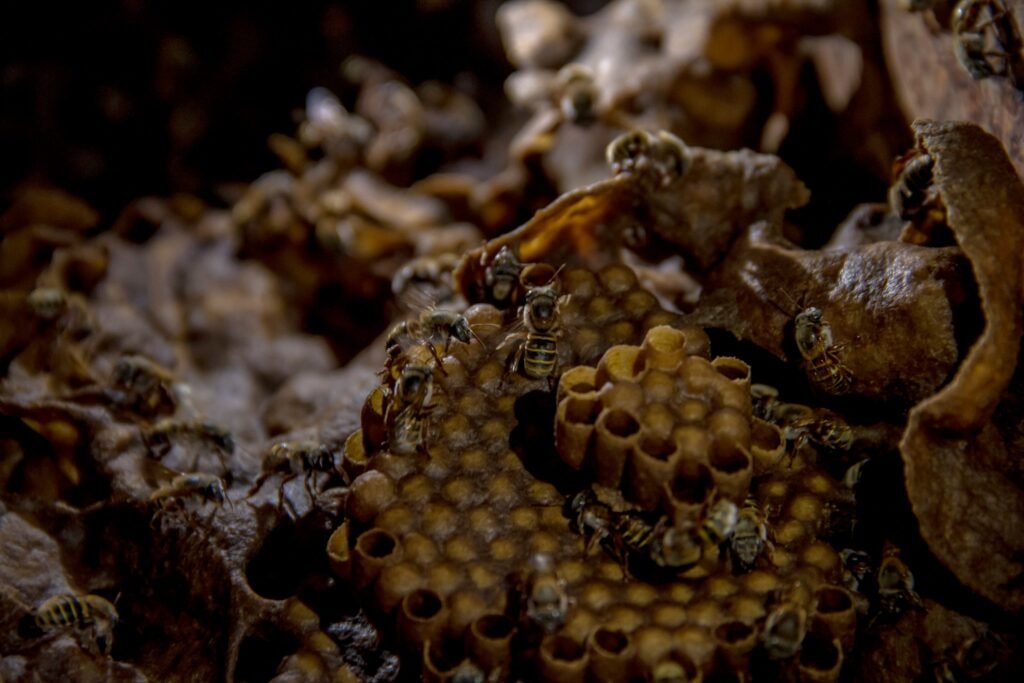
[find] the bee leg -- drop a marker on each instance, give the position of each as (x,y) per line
(514,360)
(260,480)
(282,494)
(437,357)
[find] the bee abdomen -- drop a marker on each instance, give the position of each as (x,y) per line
(540,356)
(61,611)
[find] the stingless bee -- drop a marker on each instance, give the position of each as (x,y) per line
(591,519)
(536,349)
(895,585)
(577,94)
(435,327)
(426,277)
(676,548)
(65,611)
(658,160)
(206,488)
(294,458)
(984,31)
(501,277)
(820,353)
(909,193)
(750,535)
(158,438)
(545,602)
(408,408)
(784,630)
(148,387)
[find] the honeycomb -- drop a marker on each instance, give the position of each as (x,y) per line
(437,539)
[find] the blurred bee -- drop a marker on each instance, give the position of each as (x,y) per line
(853,474)
(434,327)
(204,487)
(48,303)
(148,387)
(536,350)
(910,192)
(158,438)
(675,548)
(65,611)
(720,522)
(784,630)
(501,277)
(545,602)
(294,458)
(984,30)
(857,573)
(468,672)
(405,417)
(750,535)
(426,277)
(577,94)
(895,585)
(658,160)
(820,353)
(669,671)
(631,533)
(591,519)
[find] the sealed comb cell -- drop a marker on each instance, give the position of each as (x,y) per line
(663,404)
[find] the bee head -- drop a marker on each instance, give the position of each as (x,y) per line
(540,302)
(413,378)
(461,330)
(215,491)
(320,458)
(809,315)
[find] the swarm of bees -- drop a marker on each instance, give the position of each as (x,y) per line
(87,614)
(800,424)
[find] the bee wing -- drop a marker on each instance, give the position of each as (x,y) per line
(516,331)
(155,473)
(414,301)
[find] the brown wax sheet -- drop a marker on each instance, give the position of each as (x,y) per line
(962,478)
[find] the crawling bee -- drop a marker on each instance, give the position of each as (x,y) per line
(501,277)
(983,30)
(632,533)
(909,193)
(784,630)
(720,522)
(405,417)
(750,535)
(658,160)
(536,353)
(198,485)
(545,600)
(434,327)
(158,438)
(148,387)
(820,353)
(66,611)
(591,518)
(895,585)
(293,458)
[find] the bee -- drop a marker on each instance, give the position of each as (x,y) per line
(784,630)
(405,417)
(426,277)
(676,548)
(591,519)
(983,30)
(856,568)
(820,353)
(536,352)
(720,522)
(632,533)
(198,485)
(158,438)
(501,277)
(750,535)
(48,303)
(434,327)
(909,193)
(895,585)
(658,160)
(293,458)
(577,94)
(65,611)
(148,387)
(669,671)
(546,603)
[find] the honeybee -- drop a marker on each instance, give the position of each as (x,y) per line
(983,30)
(658,160)
(293,458)
(546,602)
(434,327)
(198,485)
(632,533)
(66,611)
(820,353)
(405,417)
(158,438)
(501,277)
(750,535)
(895,585)
(536,351)
(784,630)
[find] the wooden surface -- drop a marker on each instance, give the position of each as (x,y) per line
(930,83)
